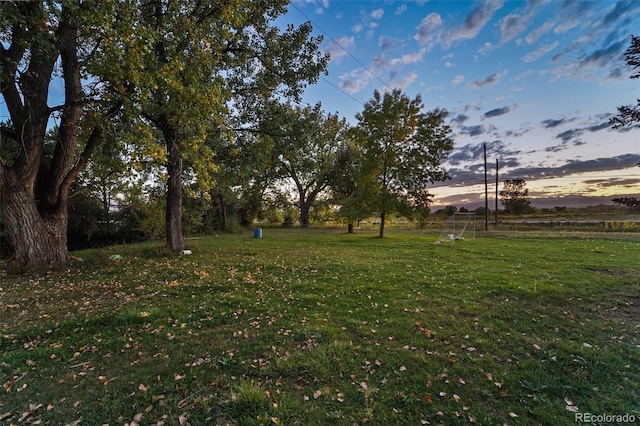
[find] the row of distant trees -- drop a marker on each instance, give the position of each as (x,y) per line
(295,163)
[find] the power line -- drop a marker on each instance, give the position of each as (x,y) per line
(341,47)
(340,89)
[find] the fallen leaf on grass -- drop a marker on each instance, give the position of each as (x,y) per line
(182,419)
(569,405)
(317,394)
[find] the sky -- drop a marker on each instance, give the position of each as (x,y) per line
(536,82)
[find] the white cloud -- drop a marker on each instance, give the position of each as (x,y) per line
(429,30)
(411,58)
(476,20)
(565,26)
(534,35)
(339,47)
(486,49)
(539,53)
(354,81)
(407,80)
(459,79)
(377,14)
(512,25)
(387,43)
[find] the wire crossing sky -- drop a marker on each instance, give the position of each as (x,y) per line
(536,81)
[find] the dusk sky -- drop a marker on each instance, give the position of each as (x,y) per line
(537,81)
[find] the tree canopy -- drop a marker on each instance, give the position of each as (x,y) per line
(182,65)
(174,68)
(305,143)
(402,150)
(514,197)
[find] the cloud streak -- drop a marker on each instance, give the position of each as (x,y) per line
(540,52)
(489,80)
(475,20)
(497,112)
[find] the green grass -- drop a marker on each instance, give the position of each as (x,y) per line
(320,327)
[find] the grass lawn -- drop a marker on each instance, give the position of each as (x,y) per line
(316,327)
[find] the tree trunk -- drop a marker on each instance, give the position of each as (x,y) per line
(222,212)
(304,214)
(350,228)
(173,217)
(382,219)
(38,241)
(34,190)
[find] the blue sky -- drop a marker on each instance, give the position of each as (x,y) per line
(536,81)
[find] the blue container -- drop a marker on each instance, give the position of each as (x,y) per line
(257,233)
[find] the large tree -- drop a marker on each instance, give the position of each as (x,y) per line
(42,42)
(402,151)
(183,64)
(629,115)
(306,141)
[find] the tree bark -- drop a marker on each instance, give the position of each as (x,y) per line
(222,212)
(34,190)
(38,241)
(350,228)
(382,220)
(173,216)
(305,207)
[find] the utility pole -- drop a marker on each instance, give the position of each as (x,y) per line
(496,192)
(486,190)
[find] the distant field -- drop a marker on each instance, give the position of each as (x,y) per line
(320,327)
